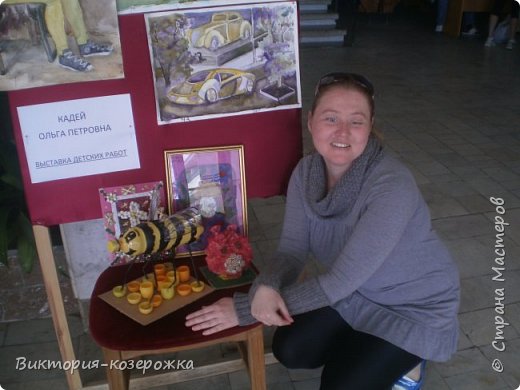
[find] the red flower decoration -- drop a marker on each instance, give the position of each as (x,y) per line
(227,252)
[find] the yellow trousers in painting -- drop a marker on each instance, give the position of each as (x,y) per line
(56,12)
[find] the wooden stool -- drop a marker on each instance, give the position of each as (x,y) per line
(122,339)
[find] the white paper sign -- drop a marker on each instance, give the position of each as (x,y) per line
(80,137)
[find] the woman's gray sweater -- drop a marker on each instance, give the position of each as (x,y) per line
(386,271)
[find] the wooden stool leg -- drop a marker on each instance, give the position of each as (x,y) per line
(117,379)
(454,18)
(254,358)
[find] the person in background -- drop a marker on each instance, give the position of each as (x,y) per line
(468,19)
(388,295)
(56,13)
(348,11)
(496,13)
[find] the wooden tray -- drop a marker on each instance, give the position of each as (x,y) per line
(165,308)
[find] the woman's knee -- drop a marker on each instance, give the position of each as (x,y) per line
(299,345)
(287,349)
(283,349)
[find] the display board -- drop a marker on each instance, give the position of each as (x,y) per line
(272,140)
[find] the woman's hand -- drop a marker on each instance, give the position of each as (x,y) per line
(213,318)
(269,308)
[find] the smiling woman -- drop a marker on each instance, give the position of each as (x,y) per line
(359,212)
(340,135)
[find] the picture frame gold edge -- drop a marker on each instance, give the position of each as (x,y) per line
(241,155)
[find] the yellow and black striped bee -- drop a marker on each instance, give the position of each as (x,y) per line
(153,237)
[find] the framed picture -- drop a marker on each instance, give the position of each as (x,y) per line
(124,207)
(211,179)
(24,24)
(222,61)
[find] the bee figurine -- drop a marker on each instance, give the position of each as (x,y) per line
(152,237)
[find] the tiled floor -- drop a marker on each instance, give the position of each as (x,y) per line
(450,109)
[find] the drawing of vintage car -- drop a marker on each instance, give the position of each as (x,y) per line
(224,28)
(209,86)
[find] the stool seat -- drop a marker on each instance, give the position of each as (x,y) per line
(123,338)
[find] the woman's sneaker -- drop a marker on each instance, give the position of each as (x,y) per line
(490,42)
(406,383)
(71,61)
(94,49)
(470,32)
(510,44)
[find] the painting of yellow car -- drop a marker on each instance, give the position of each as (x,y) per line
(212,85)
(224,28)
